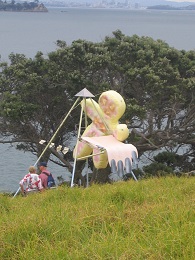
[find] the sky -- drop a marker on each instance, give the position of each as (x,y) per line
(193,1)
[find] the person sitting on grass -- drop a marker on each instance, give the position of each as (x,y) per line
(46,176)
(31,182)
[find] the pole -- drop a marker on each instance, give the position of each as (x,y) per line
(87,161)
(63,121)
(88,156)
(16,192)
(134,176)
(76,152)
(56,131)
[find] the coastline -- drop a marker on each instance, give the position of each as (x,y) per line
(25,11)
(14,8)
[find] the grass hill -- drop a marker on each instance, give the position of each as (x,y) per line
(150,219)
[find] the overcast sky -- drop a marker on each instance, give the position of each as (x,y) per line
(193,1)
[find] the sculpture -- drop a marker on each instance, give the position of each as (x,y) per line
(103,137)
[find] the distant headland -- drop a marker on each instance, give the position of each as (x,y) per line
(168,7)
(22,7)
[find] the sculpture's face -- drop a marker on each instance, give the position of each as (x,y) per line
(112,104)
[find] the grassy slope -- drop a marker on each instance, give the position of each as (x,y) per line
(150,219)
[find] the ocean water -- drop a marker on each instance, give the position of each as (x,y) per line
(14,165)
(28,33)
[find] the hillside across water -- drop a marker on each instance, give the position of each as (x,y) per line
(22,7)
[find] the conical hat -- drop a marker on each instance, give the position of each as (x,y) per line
(84,93)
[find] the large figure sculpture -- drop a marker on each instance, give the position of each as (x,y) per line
(103,137)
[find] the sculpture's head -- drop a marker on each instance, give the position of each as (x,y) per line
(112,104)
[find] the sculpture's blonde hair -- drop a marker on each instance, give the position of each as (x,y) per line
(32,169)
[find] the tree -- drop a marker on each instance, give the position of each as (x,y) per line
(168,163)
(156,81)
(13,6)
(32,107)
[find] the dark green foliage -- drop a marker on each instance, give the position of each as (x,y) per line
(18,7)
(169,163)
(156,81)
(157,169)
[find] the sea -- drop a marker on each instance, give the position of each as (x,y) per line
(29,33)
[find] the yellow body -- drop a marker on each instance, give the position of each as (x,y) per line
(104,115)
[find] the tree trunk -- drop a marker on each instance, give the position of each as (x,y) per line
(101,175)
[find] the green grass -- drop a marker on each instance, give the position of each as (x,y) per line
(149,219)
